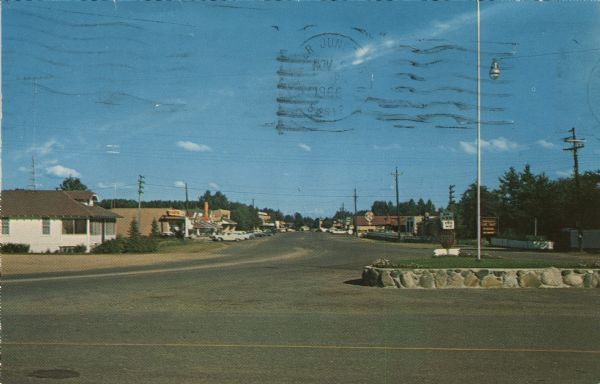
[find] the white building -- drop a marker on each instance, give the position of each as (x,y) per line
(54,220)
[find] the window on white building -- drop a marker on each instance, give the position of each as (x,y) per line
(110,228)
(5,226)
(74,226)
(45,226)
(96,228)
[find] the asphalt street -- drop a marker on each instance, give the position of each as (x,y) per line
(287,309)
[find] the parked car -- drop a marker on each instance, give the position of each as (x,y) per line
(229,236)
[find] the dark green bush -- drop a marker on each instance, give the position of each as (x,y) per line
(14,248)
(141,245)
(111,246)
(75,249)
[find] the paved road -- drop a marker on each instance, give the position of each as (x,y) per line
(284,310)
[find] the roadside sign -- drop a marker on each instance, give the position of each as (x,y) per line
(489,226)
(447,224)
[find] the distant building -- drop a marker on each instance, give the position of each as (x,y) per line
(55,221)
(408,224)
(266,221)
(147,215)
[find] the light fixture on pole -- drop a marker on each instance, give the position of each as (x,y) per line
(494,69)
(494,74)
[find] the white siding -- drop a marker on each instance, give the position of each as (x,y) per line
(30,232)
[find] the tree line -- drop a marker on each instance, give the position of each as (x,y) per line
(525,204)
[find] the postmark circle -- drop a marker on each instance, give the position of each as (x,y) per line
(335,78)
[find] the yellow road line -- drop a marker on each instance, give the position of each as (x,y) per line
(301,346)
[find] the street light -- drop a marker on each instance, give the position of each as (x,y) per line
(494,74)
(494,69)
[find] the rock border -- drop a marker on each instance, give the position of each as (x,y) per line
(480,278)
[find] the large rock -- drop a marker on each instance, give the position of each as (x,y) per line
(530,280)
(574,280)
(455,280)
(510,280)
(588,280)
(491,281)
(426,280)
(370,276)
(552,277)
(441,278)
(408,279)
(482,273)
(386,280)
(471,280)
(596,280)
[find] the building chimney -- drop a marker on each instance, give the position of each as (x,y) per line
(206,211)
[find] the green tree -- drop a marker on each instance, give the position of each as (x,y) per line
(468,209)
(154,231)
(216,201)
(383,208)
(134,230)
(525,201)
(72,184)
(245,216)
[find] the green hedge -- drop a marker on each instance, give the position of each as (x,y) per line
(128,245)
(14,248)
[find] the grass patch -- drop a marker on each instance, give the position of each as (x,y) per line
(186,246)
(470,262)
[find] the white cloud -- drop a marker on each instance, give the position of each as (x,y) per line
(213,185)
(193,147)
(44,149)
(102,184)
(501,144)
(180,184)
(545,144)
(60,171)
(24,169)
(305,147)
(469,147)
(434,29)
(568,173)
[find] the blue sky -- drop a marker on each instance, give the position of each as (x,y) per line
(294,104)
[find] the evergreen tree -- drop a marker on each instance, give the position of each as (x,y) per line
(72,184)
(154,232)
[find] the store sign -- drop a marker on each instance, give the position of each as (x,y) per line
(489,226)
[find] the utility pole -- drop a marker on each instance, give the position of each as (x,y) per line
(576,144)
(33,181)
(140,193)
(186,197)
(396,174)
(354,221)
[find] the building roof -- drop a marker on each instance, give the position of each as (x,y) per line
(37,204)
(205,225)
(380,220)
(81,195)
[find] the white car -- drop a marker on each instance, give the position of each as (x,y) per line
(229,236)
